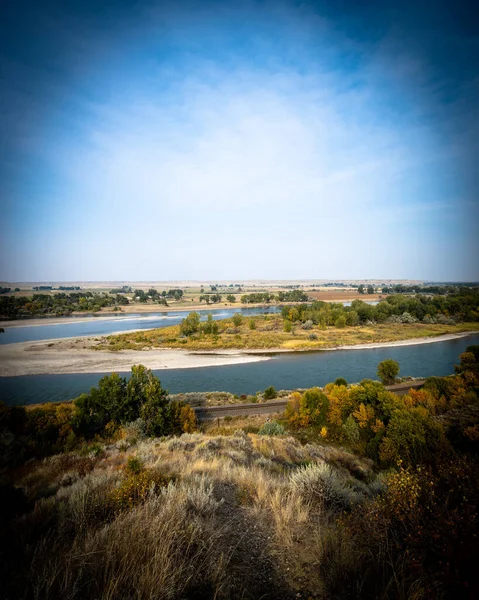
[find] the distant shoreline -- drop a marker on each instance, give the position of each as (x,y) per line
(50,357)
(146,309)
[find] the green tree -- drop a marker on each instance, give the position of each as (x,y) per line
(269,393)
(237,319)
(287,326)
(361,289)
(190,324)
(231,298)
(387,371)
(340,321)
(370,289)
(211,326)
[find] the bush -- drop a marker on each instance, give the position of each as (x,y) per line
(252,324)
(237,319)
(134,465)
(321,483)
(412,437)
(190,324)
(312,336)
(341,322)
(287,326)
(307,325)
(341,381)
(272,428)
(269,393)
(387,371)
(135,489)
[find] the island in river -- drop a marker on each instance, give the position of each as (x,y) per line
(167,348)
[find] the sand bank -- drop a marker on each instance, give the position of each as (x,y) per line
(57,357)
(27,358)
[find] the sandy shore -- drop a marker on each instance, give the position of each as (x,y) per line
(65,356)
(37,358)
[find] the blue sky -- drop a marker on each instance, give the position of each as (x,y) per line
(218,140)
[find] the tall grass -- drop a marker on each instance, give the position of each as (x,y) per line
(243,516)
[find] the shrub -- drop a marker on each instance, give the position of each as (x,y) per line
(135,489)
(272,428)
(252,324)
(341,381)
(287,326)
(134,465)
(387,371)
(269,393)
(412,437)
(237,319)
(351,430)
(325,485)
(210,327)
(340,321)
(307,325)
(312,336)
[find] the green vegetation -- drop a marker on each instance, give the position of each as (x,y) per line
(61,304)
(270,332)
(138,403)
(269,393)
(267,297)
(387,371)
(446,309)
(316,326)
(353,493)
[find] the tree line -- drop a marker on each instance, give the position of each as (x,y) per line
(267,297)
(450,309)
(12,307)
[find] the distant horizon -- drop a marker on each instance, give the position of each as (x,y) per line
(242,281)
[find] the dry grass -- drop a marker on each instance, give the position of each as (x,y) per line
(269,335)
(233,522)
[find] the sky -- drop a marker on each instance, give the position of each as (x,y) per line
(239,140)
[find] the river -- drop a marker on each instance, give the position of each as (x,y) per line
(284,371)
(79,327)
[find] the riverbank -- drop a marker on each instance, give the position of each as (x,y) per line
(74,355)
(67,357)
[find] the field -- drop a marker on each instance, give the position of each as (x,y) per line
(268,334)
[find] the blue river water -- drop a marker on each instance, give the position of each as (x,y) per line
(106,326)
(284,371)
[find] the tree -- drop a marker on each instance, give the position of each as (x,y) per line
(190,324)
(269,393)
(387,371)
(153,405)
(361,289)
(341,321)
(237,319)
(210,326)
(231,298)
(370,289)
